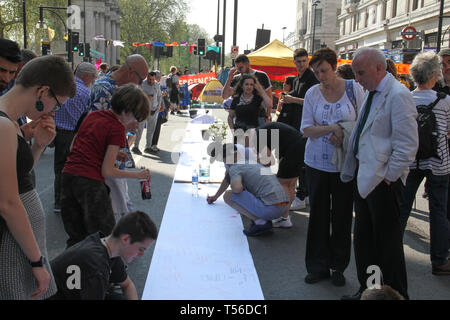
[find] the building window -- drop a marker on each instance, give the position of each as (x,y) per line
(415,4)
(374,15)
(383,12)
(394,8)
(318,17)
(366,20)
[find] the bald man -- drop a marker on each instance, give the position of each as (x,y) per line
(134,70)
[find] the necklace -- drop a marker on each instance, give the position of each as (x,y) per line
(107,247)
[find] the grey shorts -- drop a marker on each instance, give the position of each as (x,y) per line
(256,207)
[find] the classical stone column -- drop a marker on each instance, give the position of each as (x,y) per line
(113,48)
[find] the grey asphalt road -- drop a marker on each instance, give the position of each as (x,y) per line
(278,258)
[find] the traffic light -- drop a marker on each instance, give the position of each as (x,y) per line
(46,48)
(195,50)
(75,41)
(81,50)
(87,50)
(169,52)
(201,47)
(157,52)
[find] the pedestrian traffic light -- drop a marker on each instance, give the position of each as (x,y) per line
(201,47)
(87,50)
(81,50)
(45,48)
(195,50)
(75,41)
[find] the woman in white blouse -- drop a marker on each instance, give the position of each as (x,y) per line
(327,107)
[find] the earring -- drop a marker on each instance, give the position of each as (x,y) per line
(39,105)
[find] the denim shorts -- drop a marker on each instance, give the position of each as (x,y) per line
(256,207)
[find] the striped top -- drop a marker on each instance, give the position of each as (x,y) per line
(442,112)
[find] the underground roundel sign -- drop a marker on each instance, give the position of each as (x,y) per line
(409,33)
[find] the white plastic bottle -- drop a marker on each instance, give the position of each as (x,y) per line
(204,170)
(195,183)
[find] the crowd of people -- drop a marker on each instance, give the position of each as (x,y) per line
(353,136)
(346,139)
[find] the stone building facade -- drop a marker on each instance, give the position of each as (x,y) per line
(379,23)
(102,19)
(316,19)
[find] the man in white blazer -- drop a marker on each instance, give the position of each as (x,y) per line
(383,144)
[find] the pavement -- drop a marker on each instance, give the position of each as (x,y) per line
(278,257)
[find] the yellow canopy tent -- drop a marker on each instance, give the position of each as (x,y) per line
(275,59)
(212,92)
(274,53)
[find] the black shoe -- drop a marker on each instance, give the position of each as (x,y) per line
(148,150)
(337,278)
(136,150)
(171,112)
(443,270)
(312,278)
(179,112)
(256,230)
(356,296)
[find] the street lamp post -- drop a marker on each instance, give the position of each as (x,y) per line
(314,4)
(24,7)
(284,28)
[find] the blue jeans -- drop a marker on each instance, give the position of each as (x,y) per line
(437,187)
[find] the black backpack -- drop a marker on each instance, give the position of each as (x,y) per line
(428,130)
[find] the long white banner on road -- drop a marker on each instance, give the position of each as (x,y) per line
(201,252)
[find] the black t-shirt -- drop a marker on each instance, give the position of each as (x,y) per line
(291,113)
(97,270)
(440,88)
(288,137)
(263,80)
(246,114)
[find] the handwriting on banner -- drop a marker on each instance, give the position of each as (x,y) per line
(198,78)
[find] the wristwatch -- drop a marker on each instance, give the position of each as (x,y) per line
(39,263)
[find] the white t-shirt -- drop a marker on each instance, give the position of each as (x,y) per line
(319,112)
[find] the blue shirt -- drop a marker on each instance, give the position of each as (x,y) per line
(101,93)
(67,117)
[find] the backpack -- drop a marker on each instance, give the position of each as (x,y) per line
(428,130)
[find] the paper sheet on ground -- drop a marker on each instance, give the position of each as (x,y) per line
(201,252)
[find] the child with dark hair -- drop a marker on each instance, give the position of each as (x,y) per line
(99,260)
(85,203)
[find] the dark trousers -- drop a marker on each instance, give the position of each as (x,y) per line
(85,208)
(157,131)
(378,236)
(302,190)
(62,148)
(331,203)
(437,198)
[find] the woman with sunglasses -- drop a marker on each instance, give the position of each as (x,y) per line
(41,86)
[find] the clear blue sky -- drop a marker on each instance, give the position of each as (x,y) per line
(252,14)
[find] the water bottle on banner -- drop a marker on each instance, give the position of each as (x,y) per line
(195,183)
(204,170)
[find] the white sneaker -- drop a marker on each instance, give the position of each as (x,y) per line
(282,222)
(298,204)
